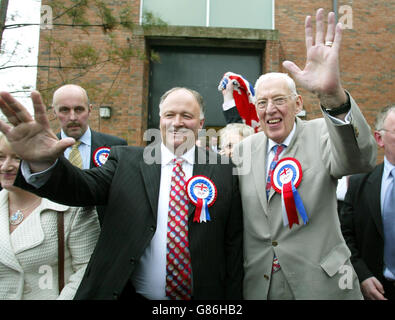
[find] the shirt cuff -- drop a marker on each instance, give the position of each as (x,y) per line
(347,118)
(37,179)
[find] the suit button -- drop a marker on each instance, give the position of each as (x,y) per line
(266,277)
(132,260)
(152,228)
(274,243)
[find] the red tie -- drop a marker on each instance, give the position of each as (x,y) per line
(178,268)
(277,149)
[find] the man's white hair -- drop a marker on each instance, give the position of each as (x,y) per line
(275,76)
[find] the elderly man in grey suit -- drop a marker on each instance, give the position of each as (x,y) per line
(293,246)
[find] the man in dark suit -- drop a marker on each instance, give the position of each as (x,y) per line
(132,252)
(367,217)
(72,109)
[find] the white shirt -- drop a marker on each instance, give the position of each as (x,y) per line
(84,147)
(385,182)
(149,278)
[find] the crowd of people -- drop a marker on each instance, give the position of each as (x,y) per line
(86,217)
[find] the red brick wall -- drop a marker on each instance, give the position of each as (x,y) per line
(119,85)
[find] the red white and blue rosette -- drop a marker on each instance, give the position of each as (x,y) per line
(285,178)
(100,156)
(202,192)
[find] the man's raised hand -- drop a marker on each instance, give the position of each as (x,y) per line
(32,139)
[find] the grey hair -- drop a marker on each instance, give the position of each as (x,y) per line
(382,115)
(277,75)
(197,95)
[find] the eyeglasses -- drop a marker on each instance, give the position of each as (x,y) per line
(390,131)
(278,102)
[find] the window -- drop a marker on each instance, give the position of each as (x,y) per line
(254,14)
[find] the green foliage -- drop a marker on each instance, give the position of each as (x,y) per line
(150,19)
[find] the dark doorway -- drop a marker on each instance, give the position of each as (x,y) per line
(200,69)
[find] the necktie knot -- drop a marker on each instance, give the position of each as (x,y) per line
(75,155)
(278,148)
(76,145)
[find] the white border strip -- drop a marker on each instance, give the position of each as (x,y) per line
(207,13)
(273,15)
(141,12)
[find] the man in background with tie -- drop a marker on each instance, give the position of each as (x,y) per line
(368,216)
(293,246)
(72,109)
(160,238)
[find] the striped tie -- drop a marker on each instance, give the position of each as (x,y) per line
(178,268)
(277,149)
(75,155)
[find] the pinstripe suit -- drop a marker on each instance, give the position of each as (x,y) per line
(130,189)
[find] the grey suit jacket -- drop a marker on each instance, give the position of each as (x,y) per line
(310,255)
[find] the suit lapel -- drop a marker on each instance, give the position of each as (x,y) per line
(96,142)
(258,170)
(374,196)
(151,177)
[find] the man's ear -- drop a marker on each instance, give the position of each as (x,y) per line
(299,104)
(54,111)
(379,139)
(90,108)
(201,123)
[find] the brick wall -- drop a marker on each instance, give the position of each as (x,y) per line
(118,85)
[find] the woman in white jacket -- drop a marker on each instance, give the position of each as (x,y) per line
(29,239)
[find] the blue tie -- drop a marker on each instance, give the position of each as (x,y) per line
(389,224)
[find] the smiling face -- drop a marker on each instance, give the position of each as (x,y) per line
(180,121)
(277,120)
(9,164)
(72,109)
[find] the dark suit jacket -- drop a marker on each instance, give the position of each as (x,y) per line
(130,189)
(362,225)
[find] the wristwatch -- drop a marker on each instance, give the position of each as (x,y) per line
(344,108)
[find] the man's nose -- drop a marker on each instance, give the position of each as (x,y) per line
(73,115)
(178,121)
(6,164)
(270,106)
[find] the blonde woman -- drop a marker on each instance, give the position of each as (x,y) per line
(29,239)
